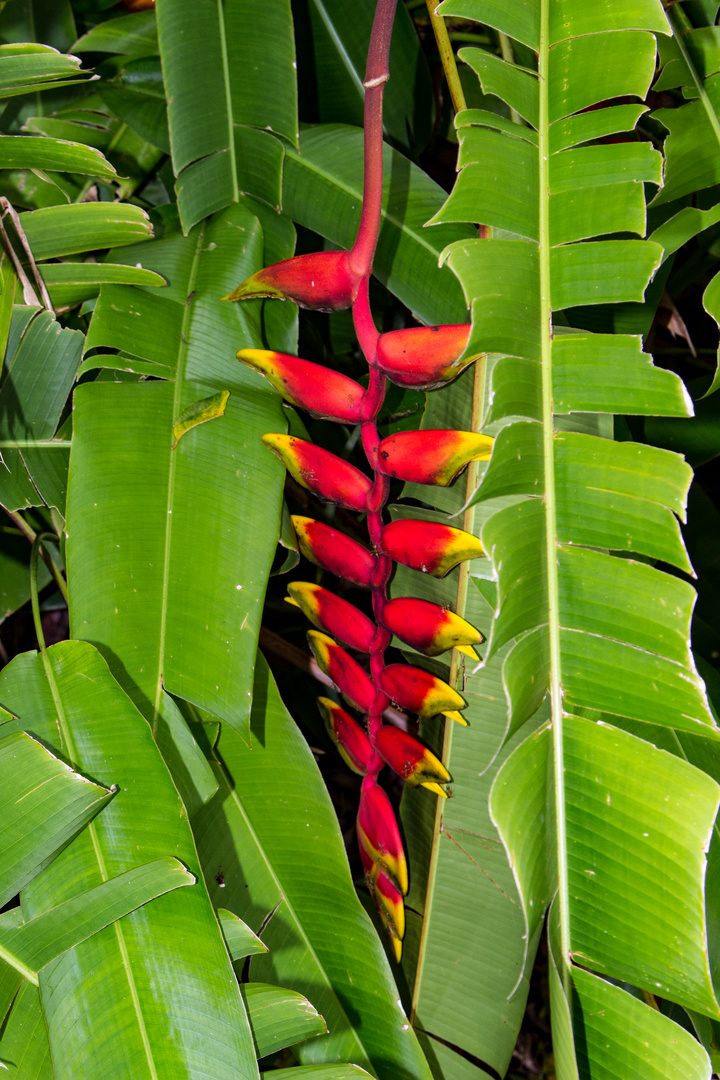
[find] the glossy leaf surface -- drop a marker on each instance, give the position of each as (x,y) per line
(157,976)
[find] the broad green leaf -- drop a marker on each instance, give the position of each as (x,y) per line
(41,362)
(604,635)
(69,283)
(65,230)
(216,74)
(636,855)
(188,597)
(322,190)
(44,804)
(28,67)
(711,303)
(645,1044)
(339,43)
(33,944)
(161,967)
(691,148)
(278,848)
(317,1072)
(519,88)
(53,155)
(279,1018)
(239,938)
(134,35)
(24,1047)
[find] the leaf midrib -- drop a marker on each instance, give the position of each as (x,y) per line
(72,754)
(177,401)
(548,450)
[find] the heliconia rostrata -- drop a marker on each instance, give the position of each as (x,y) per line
(421,358)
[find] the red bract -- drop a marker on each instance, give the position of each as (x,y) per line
(431,456)
(411,760)
(424,357)
(422,693)
(318,389)
(333,615)
(429,628)
(388,901)
(352,682)
(348,736)
(323,473)
(428,546)
(334,551)
(379,835)
(323,281)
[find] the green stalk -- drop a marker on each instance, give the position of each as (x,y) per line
(447,57)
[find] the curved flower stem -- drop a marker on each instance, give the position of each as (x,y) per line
(377,74)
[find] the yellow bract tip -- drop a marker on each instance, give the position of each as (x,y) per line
(289,600)
(468,650)
(397,948)
(436,788)
(457,716)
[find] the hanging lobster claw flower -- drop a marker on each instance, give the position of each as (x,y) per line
(420,692)
(333,615)
(429,628)
(352,682)
(320,390)
(388,901)
(429,546)
(411,760)
(379,836)
(431,456)
(322,281)
(348,736)
(334,551)
(424,357)
(323,473)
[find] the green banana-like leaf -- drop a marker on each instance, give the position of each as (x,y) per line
(53,155)
(279,1018)
(223,120)
(130,35)
(55,231)
(29,67)
(239,938)
(30,946)
(691,60)
(44,804)
(322,190)
(126,1002)
(24,1046)
(606,639)
(272,854)
(184,564)
(317,1072)
(41,362)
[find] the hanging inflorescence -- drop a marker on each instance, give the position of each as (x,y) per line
(420,358)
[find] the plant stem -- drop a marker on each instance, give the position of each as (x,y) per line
(31,535)
(447,57)
(377,74)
